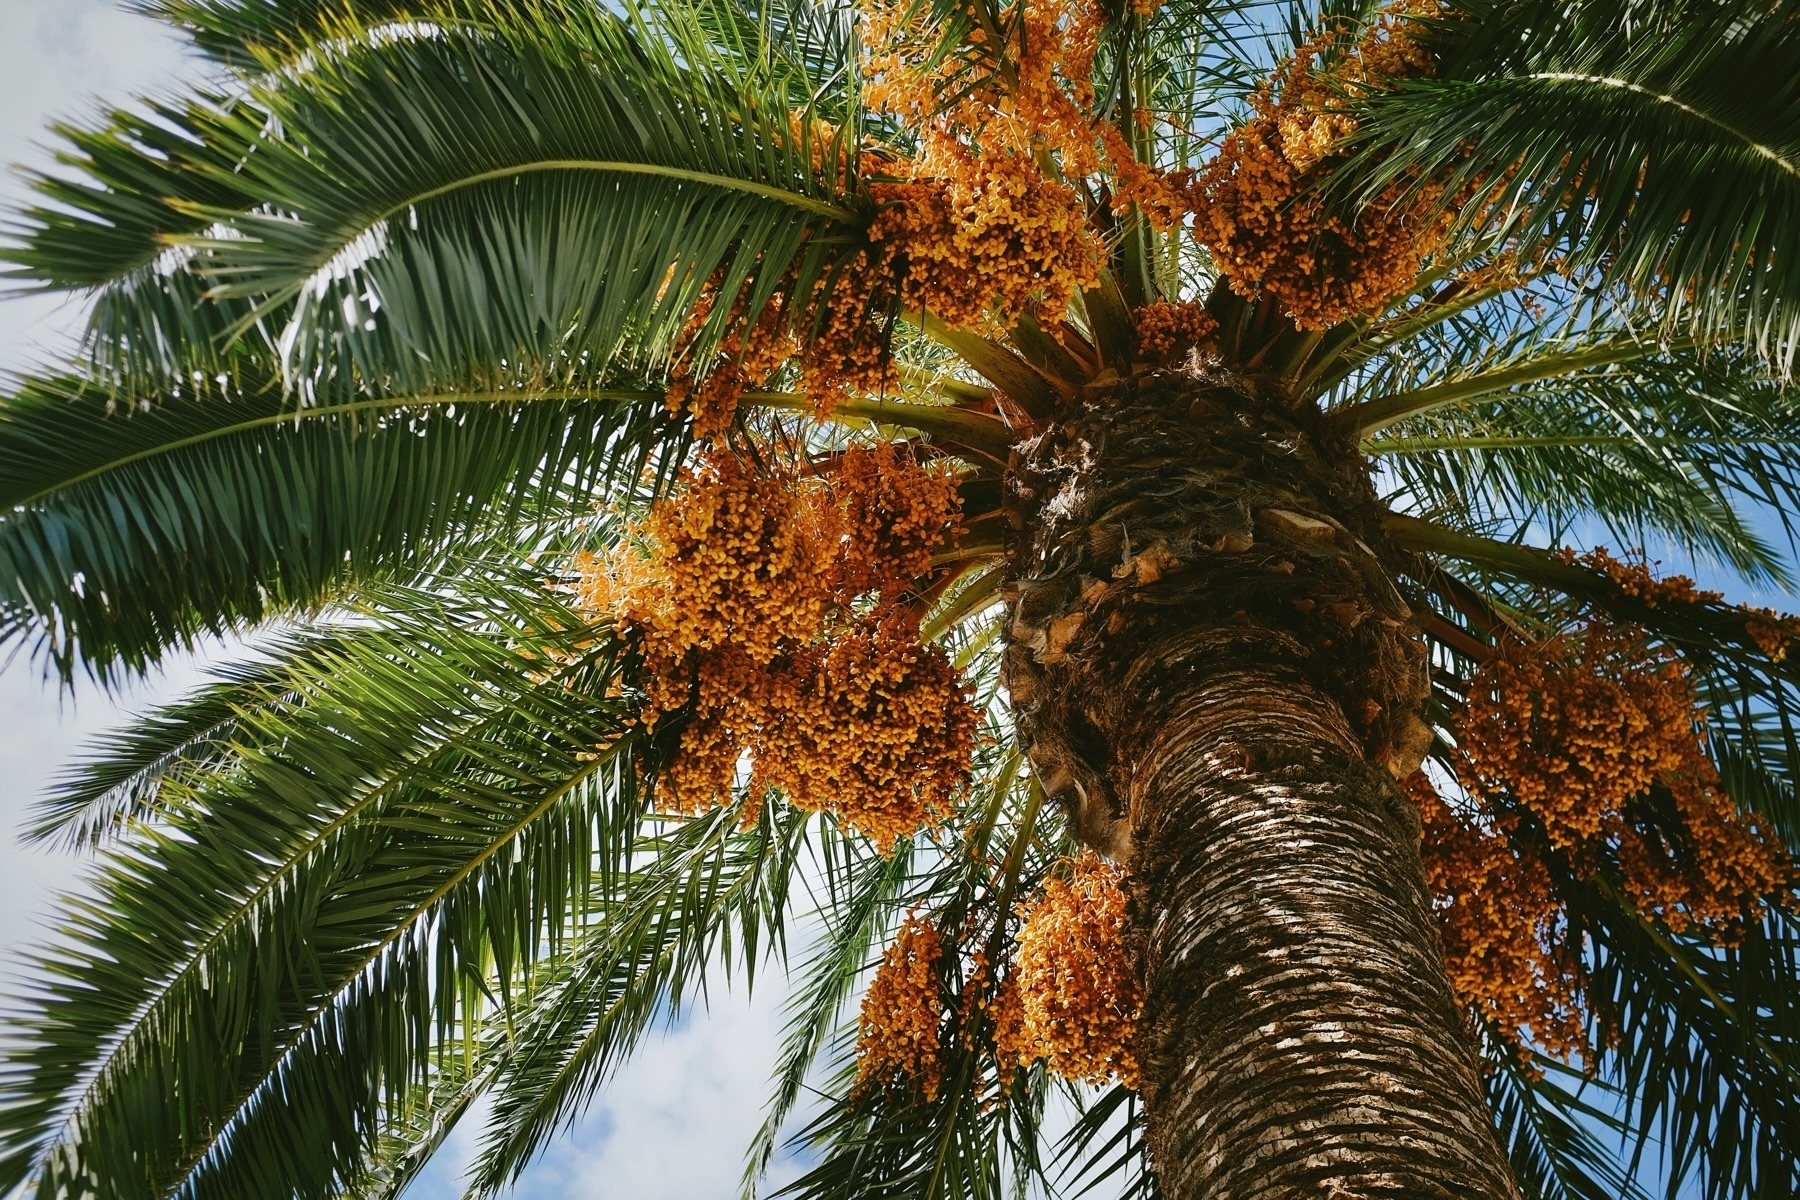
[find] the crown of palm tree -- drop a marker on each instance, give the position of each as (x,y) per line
(423,325)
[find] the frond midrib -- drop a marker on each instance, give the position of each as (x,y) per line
(767,191)
(311,412)
(1612,81)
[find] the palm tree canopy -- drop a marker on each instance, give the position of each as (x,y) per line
(444,340)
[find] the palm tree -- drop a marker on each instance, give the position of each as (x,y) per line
(1009,492)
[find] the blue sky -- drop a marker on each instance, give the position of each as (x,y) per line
(673,1125)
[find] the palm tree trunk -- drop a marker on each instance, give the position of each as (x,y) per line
(1216,675)
(1298,1037)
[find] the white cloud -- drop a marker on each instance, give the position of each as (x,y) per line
(673,1125)
(59,60)
(676,1122)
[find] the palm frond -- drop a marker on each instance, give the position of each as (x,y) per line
(130,529)
(1686,446)
(1552,1129)
(136,774)
(1503,368)
(966,1143)
(1706,1047)
(248,34)
(861,897)
(1704,628)
(973,1139)
(135,181)
(417,1126)
(807,48)
(252,983)
(1628,139)
(1105,1148)
(585,180)
(708,897)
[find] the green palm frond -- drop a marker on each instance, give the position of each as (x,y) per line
(415,828)
(140,772)
(973,1139)
(157,334)
(806,48)
(1555,1129)
(247,34)
(860,899)
(417,1126)
(579,177)
(967,1142)
(710,897)
(1628,138)
(1504,368)
(130,531)
(640,953)
(1708,629)
(1685,446)
(134,182)
(1104,1148)
(1708,1041)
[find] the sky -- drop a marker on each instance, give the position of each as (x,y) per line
(674,1125)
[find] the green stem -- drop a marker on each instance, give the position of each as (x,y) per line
(973,597)
(974,430)
(1292,359)
(1702,624)
(952,389)
(969,553)
(1524,562)
(767,191)
(990,817)
(1364,419)
(1372,339)
(1022,383)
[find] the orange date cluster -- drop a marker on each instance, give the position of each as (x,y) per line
(1069,998)
(741,589)
(1072,998)
(898,1034)
(1269,228)
(1001,198)
(1588,752)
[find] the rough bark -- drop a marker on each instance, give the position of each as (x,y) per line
(1215,673)
(1299,1037)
